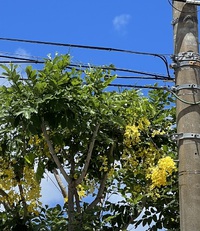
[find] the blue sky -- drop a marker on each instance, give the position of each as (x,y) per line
(130,24)
(134,25)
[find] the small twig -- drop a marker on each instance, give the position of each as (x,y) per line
(23,199)
(131,219)
(100,192)
(7,205)
(52,152)
(88,158)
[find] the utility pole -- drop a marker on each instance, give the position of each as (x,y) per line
(187,72)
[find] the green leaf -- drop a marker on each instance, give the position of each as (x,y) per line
(30,158)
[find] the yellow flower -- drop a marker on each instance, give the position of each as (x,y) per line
(81,191)
(157,132)
(143,123)
(8,182)
(104,166)
(131,135)
(159,174)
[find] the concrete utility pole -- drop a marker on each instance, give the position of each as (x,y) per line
(187,71)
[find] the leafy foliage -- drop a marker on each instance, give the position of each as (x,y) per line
(102,142)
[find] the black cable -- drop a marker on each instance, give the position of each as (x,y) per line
(21,55)
(81,46)
(121,70)
(162,57)
(21,61)
(118,85)
(145,77)
(18,58)
(137,86)
(79,66)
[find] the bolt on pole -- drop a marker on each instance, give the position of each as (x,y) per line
(187,74)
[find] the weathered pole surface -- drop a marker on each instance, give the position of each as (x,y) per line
(187,66)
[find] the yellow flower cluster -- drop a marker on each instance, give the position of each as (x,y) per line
(158,174)
(143,123)
(31,189)
(141,159)
(40,145)
(104,166)
(131,135)
(81,191)
(111,173)
(133,132)
(157,132)
(9,184)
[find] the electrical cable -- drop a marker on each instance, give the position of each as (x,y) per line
(162,57)
(137,86)
(157,88)
(184,101)
(53,182)
(22,55)
(117,85)
(20,62)
(145,77)
(121,70)
(18,58)
(79,66)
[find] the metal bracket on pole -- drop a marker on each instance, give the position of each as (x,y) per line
(185,86)
(194,2)
(182,136)
(185,59)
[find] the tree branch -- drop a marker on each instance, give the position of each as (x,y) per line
(102,184)
(7,205)
(88,158)
(60,183)
(77,201)
(131,219)
(100,192)
(24,204)
(52,152)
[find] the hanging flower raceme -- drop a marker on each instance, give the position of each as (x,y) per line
(158,174)
(13,187)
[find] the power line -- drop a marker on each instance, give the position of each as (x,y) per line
(53,182)
(80,66)
(137,86)
(122,70)
(20,55)
(160,56)
(20,62)
(19,58)
(81,46)
(145,77)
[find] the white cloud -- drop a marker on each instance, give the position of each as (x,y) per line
(120,21)
(22,52)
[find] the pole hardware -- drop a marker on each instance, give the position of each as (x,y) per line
(189,172)
(185,86)
(185,59)
(174,21)
(194,2)
(181,136)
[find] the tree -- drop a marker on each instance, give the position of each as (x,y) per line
(97,143)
